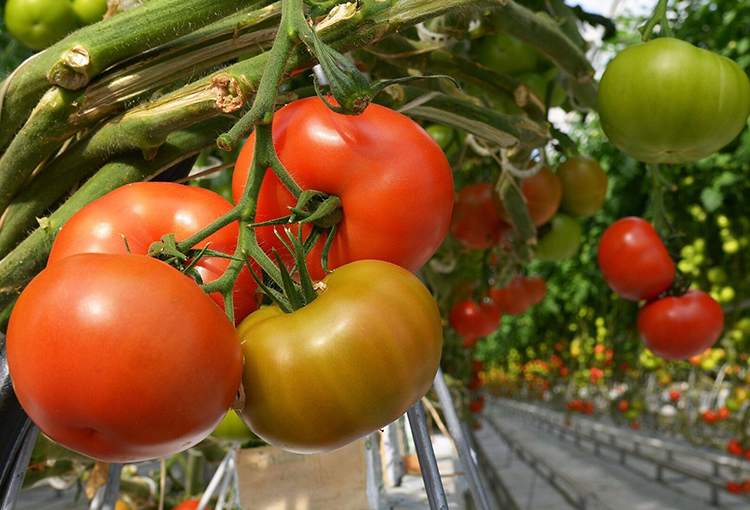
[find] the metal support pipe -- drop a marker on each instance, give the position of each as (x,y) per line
(106,497)
(465,454)
(19,467)
(427,461)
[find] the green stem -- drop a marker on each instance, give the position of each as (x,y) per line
(661,221)
(660,17)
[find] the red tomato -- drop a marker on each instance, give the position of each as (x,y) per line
(543,193)
(709,417)
(723,413)
(634,261)
(142,213)
(519,295)
(681,327)
(746,455)
(622,405)
(734,487)
(474,320)
(475,222)
(122,358)
(393,179)
(674,395)
(476,406)
(635,425)
(734,447)
(190,504)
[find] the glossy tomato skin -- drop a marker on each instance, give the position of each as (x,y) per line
(681,327)
(562,241)
(144,212)
(393,179)
(89,11)
(349,363)
(634,261)
(475,222)
(121,357)
(667,101)
(473,320)
(543,193)
(39,23)
(584,186)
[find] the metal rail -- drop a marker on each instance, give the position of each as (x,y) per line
(502,494)
(574,494)
(663,456)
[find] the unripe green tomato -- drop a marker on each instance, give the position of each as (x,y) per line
(732,405)
(708,364)
(584,185)
(744,325)
(538,83)
(562,241)
(726,294)
(233,428)
(717,275)
(443,135)
(631,414)
(731,247)
(89,11)
(39,23)
(667,101)
(505,54)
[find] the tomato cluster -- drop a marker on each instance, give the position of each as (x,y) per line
(581,406)
(636,265)
(116,352)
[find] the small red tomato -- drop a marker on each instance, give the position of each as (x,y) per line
(190,504)
(734,487)
(475,222)
(734,447)
(634,261)
(474,320)
(476,406)
(518,296)
(723,413)
(709,417)
(681,327)
(635,425)
(623,405)
(745,485)
(746,455)
(674,395)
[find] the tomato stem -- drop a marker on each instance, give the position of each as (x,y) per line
(659,17)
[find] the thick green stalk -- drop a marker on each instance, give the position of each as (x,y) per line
(74,61)
(30,257)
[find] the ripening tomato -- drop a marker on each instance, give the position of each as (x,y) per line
(543,193)
(681,327)
(141,214)
(634,261)
(520,294)
(474,320)
(475,222)
(562,241)
(39,23)
(121,357)
(395,209)
(667,101)
(584,186)
(345,365)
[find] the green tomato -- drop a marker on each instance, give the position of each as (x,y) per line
(717,275)
(505,54)
(443,135)
(731,247)
(744,325)
(89,11)
(732,405)
(562,241)
(232,428)
(39,23)
(708,364)
(538,83)
(667,101)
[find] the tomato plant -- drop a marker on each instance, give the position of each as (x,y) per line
(133,217)
(667,101)
(634,261)
(475,222)
(349,363)
(39,23)
(473,320)
(584,186)
(681,327)
(562,241)
(121,357)
(394,182)
(543,193)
